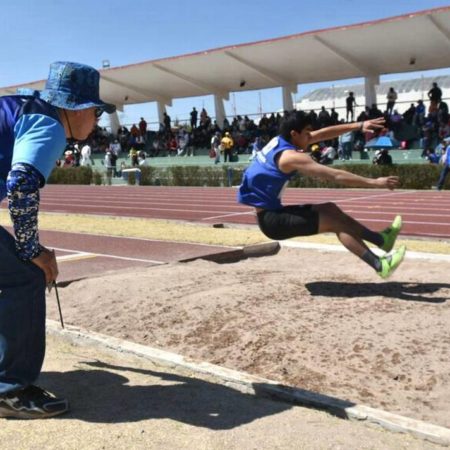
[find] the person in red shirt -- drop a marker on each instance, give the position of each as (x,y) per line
(143,128)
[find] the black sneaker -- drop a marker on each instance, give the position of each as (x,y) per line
(31,402)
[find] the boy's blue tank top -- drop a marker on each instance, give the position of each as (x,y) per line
(263,182)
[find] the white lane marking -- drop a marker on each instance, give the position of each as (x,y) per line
(340,248)
(79,255)
(126,258)
(244,213)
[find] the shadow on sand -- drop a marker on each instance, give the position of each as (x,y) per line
(417,292)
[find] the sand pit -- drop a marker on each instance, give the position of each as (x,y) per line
(321,321)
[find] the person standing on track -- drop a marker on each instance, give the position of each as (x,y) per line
(33,132)
(285,155)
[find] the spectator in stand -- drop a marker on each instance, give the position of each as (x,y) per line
(167,121)
(314,118)
(215,127)
(76,155)
(143,129)
(157,144)
(241,143)
(203,117)
(408,115)
(172,145)
(69,159)
(440,148)
(374,112)
(391,99)
(122,135)
(242,124)
(334,117)
(86,155)
(190,150)
(419,116)
(431,156)
(134,131)
(346,141)
(216,147)
(350,103)
(443,116)
(364,115)
(264,123)
(316,152)
(445,159)
(194,114)
(257,146)
(328,155)
(382,158)
(435,96)
(142,158)
(113,160)
(227,144)
(183,142)
(115,147)
(133,155)
(323,118)
(109,167)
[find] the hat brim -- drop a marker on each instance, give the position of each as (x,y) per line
(63,100)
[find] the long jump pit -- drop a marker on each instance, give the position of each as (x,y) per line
(313,319)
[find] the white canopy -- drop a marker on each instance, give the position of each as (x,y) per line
(412,42)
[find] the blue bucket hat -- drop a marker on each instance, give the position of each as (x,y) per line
(74,86)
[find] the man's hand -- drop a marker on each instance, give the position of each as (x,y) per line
(368,126)
(387,182)
(46,261)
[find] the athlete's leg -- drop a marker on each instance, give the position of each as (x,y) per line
(349,231)
(352,234)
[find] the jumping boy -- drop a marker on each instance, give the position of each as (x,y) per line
(284,156)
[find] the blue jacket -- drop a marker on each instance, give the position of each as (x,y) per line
(31,133)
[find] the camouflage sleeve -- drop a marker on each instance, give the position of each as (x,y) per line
(22,186)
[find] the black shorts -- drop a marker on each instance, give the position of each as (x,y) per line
(289,221)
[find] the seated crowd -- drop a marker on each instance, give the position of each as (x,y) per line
(245,136)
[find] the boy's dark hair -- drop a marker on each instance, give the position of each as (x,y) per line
(295,120)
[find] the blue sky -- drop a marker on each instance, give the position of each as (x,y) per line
(36,32)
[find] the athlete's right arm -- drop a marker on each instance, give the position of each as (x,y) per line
(291,160)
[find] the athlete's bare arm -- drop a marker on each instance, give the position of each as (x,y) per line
(291,160)
(332,132)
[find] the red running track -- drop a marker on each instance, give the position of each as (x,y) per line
(425,213)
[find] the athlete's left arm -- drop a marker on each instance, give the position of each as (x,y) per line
(325,134)
(291,160)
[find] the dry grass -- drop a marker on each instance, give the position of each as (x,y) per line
(187,232)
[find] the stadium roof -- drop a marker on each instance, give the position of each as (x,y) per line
(411,42)
(400,86)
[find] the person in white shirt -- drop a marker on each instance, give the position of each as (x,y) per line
(86,155)
(115,147)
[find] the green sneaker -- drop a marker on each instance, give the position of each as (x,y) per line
(390,262)
(390,234)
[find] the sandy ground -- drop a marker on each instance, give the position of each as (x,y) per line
(119,402)
(321,321)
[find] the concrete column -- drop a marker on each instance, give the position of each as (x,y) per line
(370,83)
(220,110)
(114,122)
(288,104)
(161,110)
